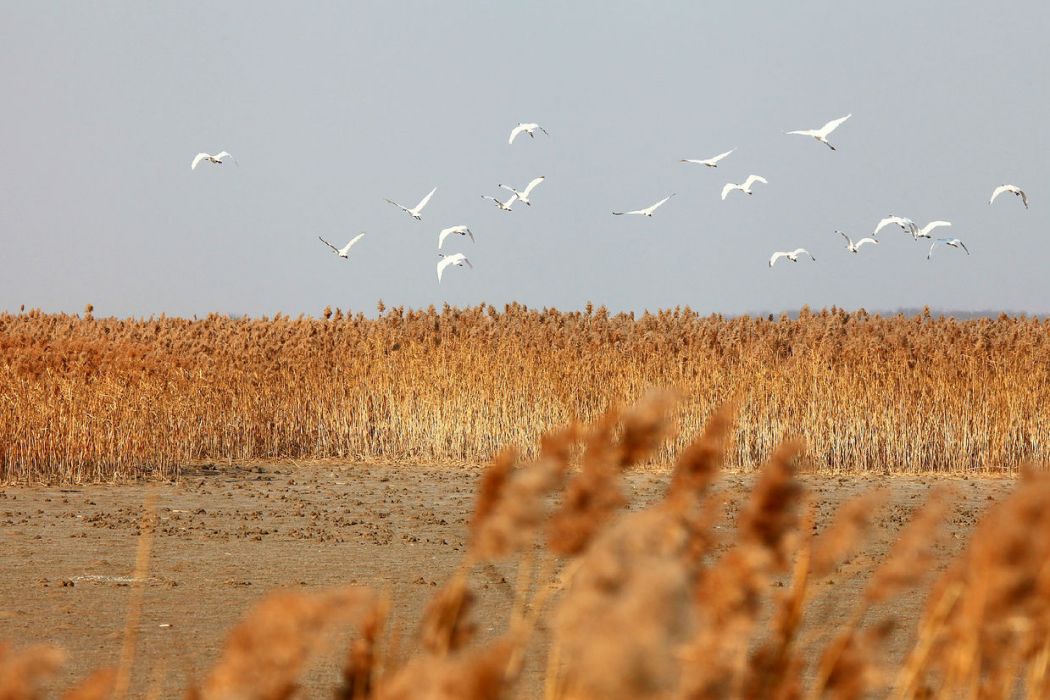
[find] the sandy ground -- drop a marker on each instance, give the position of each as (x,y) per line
(228,536)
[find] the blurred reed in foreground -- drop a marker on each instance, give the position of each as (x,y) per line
(663,603)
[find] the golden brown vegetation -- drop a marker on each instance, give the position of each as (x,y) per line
(95,398)
(653,604)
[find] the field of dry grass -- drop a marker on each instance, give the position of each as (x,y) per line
(97,399)
(662,601)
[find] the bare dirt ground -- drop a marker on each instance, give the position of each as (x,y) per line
(228,536)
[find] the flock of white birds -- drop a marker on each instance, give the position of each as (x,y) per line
(523,196)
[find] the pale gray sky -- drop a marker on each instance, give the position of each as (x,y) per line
(330,107)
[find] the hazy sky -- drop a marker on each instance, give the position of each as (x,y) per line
(330,107)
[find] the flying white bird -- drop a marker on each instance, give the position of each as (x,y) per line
(344,252)
(904,222)
(821,134)
(792,256)
(458,230)
(505,206)
(523,197)
(415,211)
(746,187)
(710,162)
(217,159)
(1010,188)
(458,259)
(527,128)
(648,211)
(924,232)
(855,247)
(953,242)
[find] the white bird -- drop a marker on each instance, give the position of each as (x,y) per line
(792,256)
(924,232)
(855,247)
(458,259)
(527,128)
(217,158)
(746,187)
(505,206)
(709,162)
(523,197)
(1010,188)
(458,230)
(953,242)
(904,222)
(415,211)
(821,134)
(344,252)
(648,211)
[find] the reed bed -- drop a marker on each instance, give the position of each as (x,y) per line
(84,398)
(663,603)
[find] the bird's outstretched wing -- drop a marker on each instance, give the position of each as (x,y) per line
(752,179)
(848,241)
(776,256)
(908,225)
(933,225)
(543,130)
(348,246)
(225,154)
(661,202)
(832,125)
(198,159)
(517,130)
(442,264)
(866,240)
(532,185)
(328,244)
(998,191)
(423,202)
(509,189)
(399,206)
(798,251)
(805,132)
(729,187)
(963,246)
(720,156)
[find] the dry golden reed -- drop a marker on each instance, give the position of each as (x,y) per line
(667,602)
(92,398)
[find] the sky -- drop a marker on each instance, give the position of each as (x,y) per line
(330,107)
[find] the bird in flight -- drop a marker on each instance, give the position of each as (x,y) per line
(457,259)
(822,133)
(527,128)
(417,210)
(904,222)
(709,162)
(505,206)
(792,256)
(343,252)
(855,247)
(924,232)
(952,242)
(1010,188)
(648,211)
(523,197)
(216,159)
(453,230)
(746,187)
